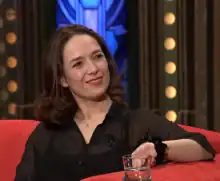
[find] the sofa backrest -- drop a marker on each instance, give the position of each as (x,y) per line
(13,136)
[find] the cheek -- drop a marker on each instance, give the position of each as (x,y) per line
(74,76)
(103,67)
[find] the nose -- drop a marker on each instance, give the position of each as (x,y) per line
(92,67)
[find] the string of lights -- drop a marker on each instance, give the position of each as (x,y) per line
(170,58)
(9,62)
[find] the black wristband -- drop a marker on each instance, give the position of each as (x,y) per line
(161,149)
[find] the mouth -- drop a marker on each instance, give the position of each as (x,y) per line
(95,81)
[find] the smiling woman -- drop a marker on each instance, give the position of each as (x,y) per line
(86,126)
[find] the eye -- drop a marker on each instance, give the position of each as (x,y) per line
(77,65)
(98,56)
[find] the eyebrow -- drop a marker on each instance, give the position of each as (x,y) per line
(75,59)
(96,51)
(79,58)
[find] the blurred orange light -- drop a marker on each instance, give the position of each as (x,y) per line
(171,116)
(170,43)
(169,18)
(11,38)
(170,92)
(12,108)
(170,67)
(12,86)
(12,62)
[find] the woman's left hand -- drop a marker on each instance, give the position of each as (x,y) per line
(147,153)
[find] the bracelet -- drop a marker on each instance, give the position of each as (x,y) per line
(161,149)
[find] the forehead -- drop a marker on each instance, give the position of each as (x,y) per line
(80,45)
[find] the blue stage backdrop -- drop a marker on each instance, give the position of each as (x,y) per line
(106,17)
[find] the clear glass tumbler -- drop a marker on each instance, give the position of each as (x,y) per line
(136,168)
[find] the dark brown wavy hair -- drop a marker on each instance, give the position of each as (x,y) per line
(57,102)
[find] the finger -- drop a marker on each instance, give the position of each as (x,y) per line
(141,155)
(142,151)
(139,162)
(136,163)
(147,153)
(151,161)
(154,153)
(145,150)
(152,158)
(138,150)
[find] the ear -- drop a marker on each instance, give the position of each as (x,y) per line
(63,82)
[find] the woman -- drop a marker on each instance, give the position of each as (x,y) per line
(86,127)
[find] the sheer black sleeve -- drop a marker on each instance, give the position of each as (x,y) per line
(144,124)
(25,169)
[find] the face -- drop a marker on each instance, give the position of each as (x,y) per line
(85,68)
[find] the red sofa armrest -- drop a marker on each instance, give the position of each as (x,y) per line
(13,137)
(211,136)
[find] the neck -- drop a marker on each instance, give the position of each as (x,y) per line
(89,109)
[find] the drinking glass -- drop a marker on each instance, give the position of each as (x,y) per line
(136,168)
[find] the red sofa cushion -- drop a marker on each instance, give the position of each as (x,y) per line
(13,136)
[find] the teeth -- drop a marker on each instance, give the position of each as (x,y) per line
(95,80)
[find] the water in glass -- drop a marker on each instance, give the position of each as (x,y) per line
(136,169)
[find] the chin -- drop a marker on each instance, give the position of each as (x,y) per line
(97,95)
(92,94)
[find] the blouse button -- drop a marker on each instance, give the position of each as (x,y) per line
(80,162)
(111,142)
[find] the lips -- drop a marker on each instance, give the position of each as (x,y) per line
(95,81)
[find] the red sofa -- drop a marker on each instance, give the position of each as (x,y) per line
(14,134)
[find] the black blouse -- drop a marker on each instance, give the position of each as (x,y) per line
(60,153)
